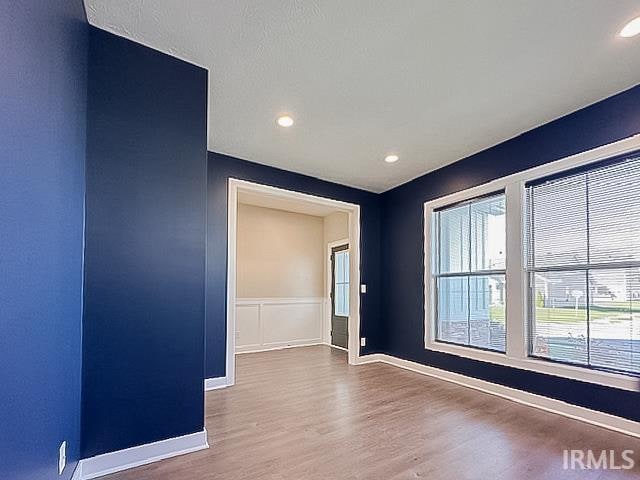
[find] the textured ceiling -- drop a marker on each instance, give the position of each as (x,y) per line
(433,81)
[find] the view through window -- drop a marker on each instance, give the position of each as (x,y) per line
(583,263)
(469,244)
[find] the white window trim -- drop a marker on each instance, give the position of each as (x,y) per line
(516,296)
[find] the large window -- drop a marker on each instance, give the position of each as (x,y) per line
(469,273)
(540,270)
(583,263)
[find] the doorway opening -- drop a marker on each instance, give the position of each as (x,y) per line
(271,304)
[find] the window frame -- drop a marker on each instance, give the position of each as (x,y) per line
(517,282)
(437,257)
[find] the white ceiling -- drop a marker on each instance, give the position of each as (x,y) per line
(280,203)
(433,81)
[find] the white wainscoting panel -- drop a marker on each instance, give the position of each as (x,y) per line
(326,321)
(248,332)
(271,323)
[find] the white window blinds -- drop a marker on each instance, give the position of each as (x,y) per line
(469,273)
(583,262)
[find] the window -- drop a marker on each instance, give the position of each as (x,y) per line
(341,283)
(469,273)
(540,270)
(583,265)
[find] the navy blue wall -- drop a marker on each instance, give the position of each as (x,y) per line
(402,243)
(221,168)
(143,349)
(43,58)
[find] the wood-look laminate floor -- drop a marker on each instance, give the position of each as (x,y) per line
(303,413)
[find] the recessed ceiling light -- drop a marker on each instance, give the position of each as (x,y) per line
(631,29)
(391,158)
(285,121)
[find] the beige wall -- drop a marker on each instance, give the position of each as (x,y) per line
(336,227)
(279,254)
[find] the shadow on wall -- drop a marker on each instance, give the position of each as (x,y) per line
(145,247)
(43,137)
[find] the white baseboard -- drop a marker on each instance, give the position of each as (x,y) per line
(282,347)
(112,462)
(77,473)
(216,383)
(304,343)
(329,344)
(593,417)
(373,358)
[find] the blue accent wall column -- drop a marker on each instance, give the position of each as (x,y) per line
(607,121)
(143,348)
(43,93)
(221,168)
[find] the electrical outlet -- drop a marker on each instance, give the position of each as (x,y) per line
(62,457)
(363,288)
(363,341)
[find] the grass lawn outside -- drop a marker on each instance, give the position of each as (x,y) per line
(613,312)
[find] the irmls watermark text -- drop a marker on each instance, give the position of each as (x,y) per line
(598,460)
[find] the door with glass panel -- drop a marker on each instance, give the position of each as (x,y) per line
(340,296)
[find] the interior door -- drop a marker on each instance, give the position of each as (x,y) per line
(340,296)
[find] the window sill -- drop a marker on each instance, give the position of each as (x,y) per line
(607,379)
